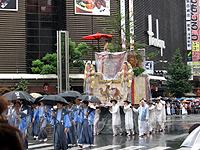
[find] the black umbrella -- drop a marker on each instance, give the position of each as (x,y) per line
(38,98)
(19,95)
(66,95)
(89,98)
(170,99)
(75,93)
(53,100)
(164,98)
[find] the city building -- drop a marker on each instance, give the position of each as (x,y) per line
(28,32)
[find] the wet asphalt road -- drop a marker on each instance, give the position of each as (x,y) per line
(175,133)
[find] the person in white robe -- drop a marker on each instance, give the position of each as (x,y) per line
(184,110)
(142,118)
(116,120)
(96,118)
(128,118)
(152,117)
(159,107)
(163,115)
(168,109)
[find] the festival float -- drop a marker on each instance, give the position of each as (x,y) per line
(114,78)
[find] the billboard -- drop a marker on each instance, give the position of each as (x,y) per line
(9,5)
(92,7)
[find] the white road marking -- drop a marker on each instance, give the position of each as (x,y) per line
(131,147)
(106,147)
(159,148)
(184,148)
(39,145)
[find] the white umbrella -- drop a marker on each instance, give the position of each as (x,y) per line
(35,95)
(193,140)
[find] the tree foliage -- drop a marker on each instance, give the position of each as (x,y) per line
(115,43)
(180,73)
(22,85)
(48,64)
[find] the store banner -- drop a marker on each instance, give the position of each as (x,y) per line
(9,5)
(188,34)
(195,29)
(187,5)
(92,7)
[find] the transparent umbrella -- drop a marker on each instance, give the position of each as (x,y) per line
(193,140)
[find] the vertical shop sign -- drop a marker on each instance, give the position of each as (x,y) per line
(195,29)
(131,23)
(123,36)
(188,32)
(187,5)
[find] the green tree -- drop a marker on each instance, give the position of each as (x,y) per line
(115,43)
(22,85)
(180,73)
(48,64)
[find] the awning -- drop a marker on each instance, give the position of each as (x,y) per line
(37,76)
(156,78)
(190,94)
(76,76)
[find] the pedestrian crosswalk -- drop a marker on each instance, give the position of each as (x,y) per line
(49,146)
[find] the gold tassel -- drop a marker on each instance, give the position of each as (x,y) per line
(92,77)
(92,85)
(129,83)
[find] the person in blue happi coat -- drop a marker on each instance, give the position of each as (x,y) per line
(87,117)
(21,116)
(35,122)
(60,120)
(44,115)
(72,111)
(9,113)
(78,123)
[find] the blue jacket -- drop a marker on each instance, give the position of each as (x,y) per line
(36,115)
(143,113)
(79,108)
(73,116)
(64,118)
(91,116)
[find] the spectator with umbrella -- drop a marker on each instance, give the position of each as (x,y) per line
(168,108)
(60,120)
(173,108)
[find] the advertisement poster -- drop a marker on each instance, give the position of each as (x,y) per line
(196,68)
(92,7)
(9,5)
